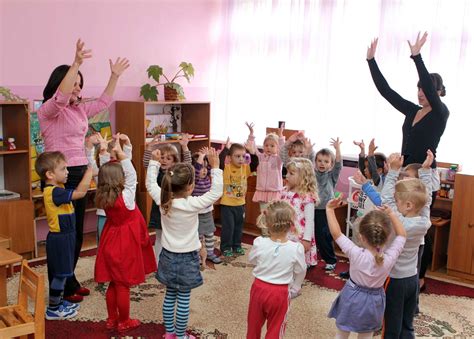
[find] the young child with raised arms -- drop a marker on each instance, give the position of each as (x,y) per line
(179,263)
(61,238)
(125,254)
(269,179)
(279,267)
(360,305)
(301,192)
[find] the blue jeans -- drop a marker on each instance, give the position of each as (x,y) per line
(180,271)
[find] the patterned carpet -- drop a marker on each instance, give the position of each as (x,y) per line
(219,307)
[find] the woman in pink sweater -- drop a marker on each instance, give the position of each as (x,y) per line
(63,119)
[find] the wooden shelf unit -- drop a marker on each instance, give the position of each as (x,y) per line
(16,215)
(130,118)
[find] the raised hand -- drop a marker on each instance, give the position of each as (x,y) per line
(336,143)
(228,143)
(184,140)
(308,146)
(359,178)
(125,138)
(385,209)
(395,161)
(250,146)
(280,130)
(151,144)
(372,147)
(361,146)
(81,53)
(429,160)
(419,42)
(156,155)
(118,148)
(372,48)
(204,151)
(119,66)
(250,127)
(333,204)
(213,158)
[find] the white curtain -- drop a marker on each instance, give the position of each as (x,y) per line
(303,62)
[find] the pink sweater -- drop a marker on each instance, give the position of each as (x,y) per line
(64,126)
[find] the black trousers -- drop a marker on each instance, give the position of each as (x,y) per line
(427,253)
(75,176)
(323,237)
(232,220)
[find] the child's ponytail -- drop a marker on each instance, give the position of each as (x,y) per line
(177,180)
(375,228)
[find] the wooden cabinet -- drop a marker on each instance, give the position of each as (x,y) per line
(16,215)
(132,118)
(461,238)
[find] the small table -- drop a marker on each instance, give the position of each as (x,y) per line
(7,257)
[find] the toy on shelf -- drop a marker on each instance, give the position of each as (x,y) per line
(11,144)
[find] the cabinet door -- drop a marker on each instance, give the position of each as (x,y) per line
(460,252)
(17,223)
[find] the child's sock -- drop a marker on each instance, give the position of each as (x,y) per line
(169,304)
(182,312)
(209,240)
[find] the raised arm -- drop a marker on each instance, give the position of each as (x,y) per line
(333,224)
(336,170)
(400,104)
(367,188)
(151,174)
(395,162)
(372,164)
(224,153)
(81,189)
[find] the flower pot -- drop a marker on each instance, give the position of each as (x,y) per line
(171,94)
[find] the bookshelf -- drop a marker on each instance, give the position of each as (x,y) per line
(132,118)
(16,215)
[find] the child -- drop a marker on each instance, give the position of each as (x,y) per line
(360,305)
(269,179)
(279,263)
(169,157)
(411,199)
(232,203)
(328,168)
(374,165)
(202,184)
(125,254)
(297,146)
(178,267)
(61,239)
(302,193)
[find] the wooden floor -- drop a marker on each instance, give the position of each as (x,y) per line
(90,242)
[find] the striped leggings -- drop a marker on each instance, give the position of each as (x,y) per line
(182,299)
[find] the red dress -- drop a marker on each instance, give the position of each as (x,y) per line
(125,253)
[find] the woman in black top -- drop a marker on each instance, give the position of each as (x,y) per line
(424,123)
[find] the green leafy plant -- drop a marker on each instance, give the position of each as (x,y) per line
(150,91)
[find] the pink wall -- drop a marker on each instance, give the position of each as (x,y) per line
(41,35)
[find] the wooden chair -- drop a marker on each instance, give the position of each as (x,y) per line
(5,242)
(15,320)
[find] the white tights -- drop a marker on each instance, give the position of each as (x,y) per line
(344,335)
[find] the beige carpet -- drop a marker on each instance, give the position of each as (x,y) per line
(219,307)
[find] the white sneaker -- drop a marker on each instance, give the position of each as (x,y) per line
(61,313)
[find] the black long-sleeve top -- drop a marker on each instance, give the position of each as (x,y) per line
(427,132)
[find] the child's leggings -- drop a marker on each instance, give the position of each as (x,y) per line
(173,297)
(117,299)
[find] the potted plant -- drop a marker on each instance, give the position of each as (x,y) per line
(173,90)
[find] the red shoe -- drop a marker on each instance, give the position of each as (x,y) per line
(111,324)
(128,325)
(75,298)
(83,291)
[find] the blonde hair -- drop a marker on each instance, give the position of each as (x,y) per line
(170,150)
(277,218)
(111,182)
(375,226)
(175,181)
(326,152)
(304,169)
(271,137)
(413,190)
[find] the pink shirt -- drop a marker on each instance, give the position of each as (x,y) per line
(363,269)
(64,126)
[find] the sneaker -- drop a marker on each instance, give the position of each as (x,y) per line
(239,251)
(345,275)
(214,258)
(83,291)
(128,325)
(111,324)
(330,267)
(75,298)
(70,305)
(61,313)
(227,253)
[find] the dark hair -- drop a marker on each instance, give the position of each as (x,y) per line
(437,83)
(380,160)
(55,80)
(47,161)
(236,147)
(175,181)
